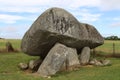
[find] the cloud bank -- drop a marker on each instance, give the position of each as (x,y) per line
(21,14)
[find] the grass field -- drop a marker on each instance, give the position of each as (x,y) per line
(10,71)
(15,43)
(108,46)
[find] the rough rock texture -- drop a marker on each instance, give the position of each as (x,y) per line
(72,60)
(106,62)
(34,64)
(56,58)
(72,57)
(53,61)
(85,55)
(9,47)
(23,66)
(58,25)
(100,62)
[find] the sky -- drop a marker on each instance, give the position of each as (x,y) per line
(16,16)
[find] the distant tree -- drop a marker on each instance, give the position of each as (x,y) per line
(112,38)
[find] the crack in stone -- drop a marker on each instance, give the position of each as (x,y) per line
(61,24)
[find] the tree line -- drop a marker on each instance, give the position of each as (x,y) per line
(112,38)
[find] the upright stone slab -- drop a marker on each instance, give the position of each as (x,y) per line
(55,59)
(85,55)
(9,47)
(72,60)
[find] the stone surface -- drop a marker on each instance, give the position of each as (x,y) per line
(92,62)
(96,62)
(56,59)
(72,57)
(106,62)
(9,47)
(84,56)
(58,25)
(72,60)
(100,62)
(31,64)
(23,66)
(34,64)
(53,61)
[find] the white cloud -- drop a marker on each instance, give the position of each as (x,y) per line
(83,3)
(9,32)
(36,6)
(19,9)
(90,17)
(86,15)
(32,6)
(11,19)
(13,31)
(109,5)
(61,3)
(5,18)
(116,19)
(115,24)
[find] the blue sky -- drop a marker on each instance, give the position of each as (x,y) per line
(16,16)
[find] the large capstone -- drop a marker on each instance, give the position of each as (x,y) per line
(58,25)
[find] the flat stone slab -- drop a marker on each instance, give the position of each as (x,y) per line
(58,25)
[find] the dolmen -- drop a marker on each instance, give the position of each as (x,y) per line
(60,40)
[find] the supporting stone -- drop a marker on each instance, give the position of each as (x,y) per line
(57,56)
(72,61)
(34,64)
(84,56)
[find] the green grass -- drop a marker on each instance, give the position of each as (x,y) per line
(9,67)
(107,47)
(10,71)
(15,43)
